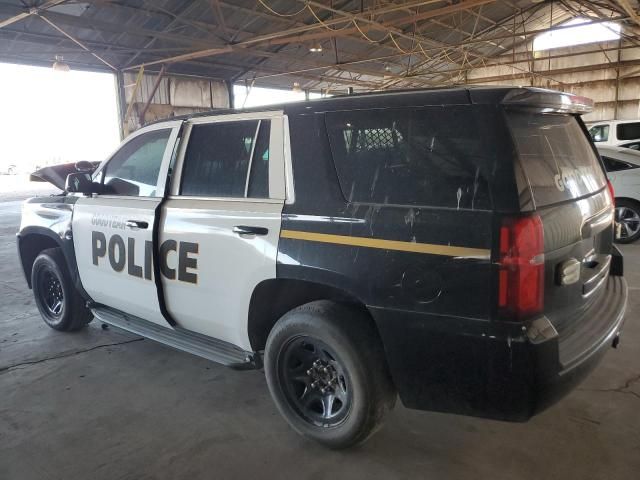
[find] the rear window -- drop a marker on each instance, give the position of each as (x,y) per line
(556,157)
(628,131)
(431,156)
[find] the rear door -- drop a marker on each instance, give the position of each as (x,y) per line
(221,225)
(112,231)
(568,187)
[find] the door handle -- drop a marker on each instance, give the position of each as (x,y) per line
(247,230)
(136,224)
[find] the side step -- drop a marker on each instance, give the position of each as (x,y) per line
(180,339)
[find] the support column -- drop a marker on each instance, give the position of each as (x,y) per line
(617,97)
(229,85)
(121,101)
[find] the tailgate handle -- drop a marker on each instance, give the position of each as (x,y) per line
(246,230)
(136,224)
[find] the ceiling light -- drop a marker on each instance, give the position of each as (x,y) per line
(296,87)
(316,48)
(59,65)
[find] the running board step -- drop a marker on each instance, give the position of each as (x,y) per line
(181,339)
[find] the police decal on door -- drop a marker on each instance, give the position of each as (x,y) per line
(119,251)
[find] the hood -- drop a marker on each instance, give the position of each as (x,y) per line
(57,174)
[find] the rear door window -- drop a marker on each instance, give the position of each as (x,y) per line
(430,156)
(227,159)
(556,157)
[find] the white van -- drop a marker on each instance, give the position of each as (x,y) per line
(614,132)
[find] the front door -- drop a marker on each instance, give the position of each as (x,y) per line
(112,232)
(221,225)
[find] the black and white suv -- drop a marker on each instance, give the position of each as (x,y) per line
(452,246)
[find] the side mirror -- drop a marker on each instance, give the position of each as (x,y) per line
(81,183)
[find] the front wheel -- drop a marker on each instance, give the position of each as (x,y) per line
(327,373)
(61,306)
(628,217)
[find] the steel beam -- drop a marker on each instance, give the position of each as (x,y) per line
(31,11)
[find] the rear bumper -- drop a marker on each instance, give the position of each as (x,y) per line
(486,369)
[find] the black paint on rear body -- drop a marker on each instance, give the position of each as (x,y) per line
(437,313)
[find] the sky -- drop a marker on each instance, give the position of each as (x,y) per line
(56,117)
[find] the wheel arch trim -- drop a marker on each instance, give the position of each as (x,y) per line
(274,297)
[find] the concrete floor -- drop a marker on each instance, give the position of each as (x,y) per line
(107,405)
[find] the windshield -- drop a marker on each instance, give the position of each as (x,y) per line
(556,157)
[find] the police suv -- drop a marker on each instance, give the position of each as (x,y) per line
(453,246)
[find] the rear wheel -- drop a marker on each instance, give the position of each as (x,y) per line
(628,216)
(61,306)
(327,374)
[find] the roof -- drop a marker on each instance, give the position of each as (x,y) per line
(365,45)
(414,97)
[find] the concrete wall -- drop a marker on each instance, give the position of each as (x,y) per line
(609,73)
(175,96)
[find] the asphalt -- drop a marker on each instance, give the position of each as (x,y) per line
(103,404)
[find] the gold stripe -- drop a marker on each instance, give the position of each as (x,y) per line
(387,244)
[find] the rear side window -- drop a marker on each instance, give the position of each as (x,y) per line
(612,165)
(411,156)
(556,157)
(599,133)
(628,131)
(220,157)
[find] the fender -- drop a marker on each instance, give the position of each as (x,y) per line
(66,245)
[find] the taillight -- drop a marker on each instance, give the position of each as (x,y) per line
(521,275)
(611,191)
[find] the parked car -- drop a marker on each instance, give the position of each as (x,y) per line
(453,246)
(615,132)
(623,169)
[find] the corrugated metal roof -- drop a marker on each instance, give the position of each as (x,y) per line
(367,44)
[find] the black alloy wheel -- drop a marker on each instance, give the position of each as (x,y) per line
(327,373)
(51,292)
(60,304)
(315,381)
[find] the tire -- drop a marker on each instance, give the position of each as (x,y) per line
(324,345)
(59,303)
(628,216)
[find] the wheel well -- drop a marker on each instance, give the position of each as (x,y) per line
(30,247)
(271,299)
(627,199)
